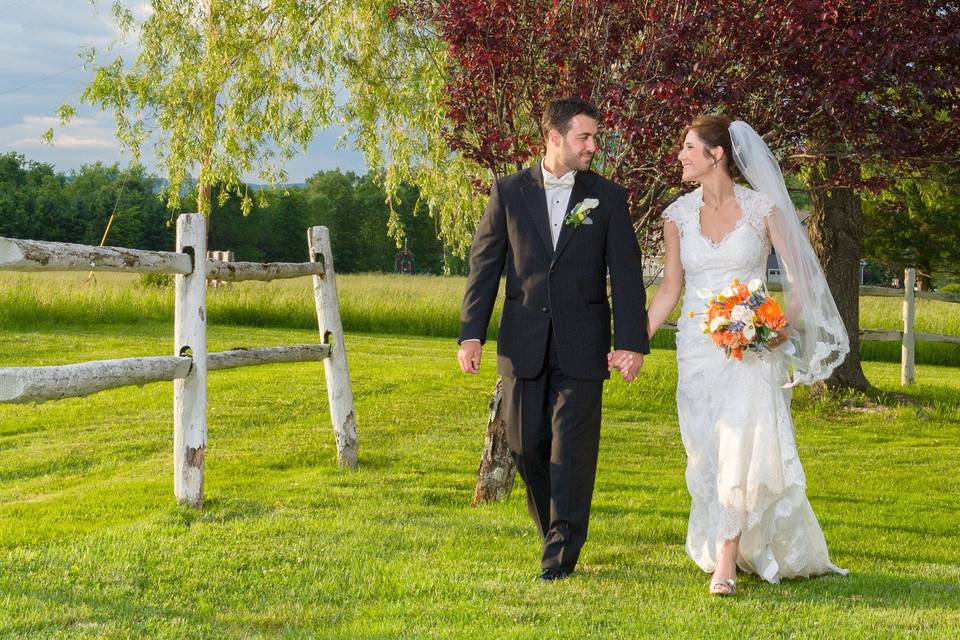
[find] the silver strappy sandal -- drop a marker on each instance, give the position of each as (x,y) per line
(726,587)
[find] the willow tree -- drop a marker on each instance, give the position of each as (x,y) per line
(229,88)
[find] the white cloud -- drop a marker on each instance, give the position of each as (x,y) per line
(40,42)
(51,121)
(143,10)
(72,142)
(43,121)
(94,131)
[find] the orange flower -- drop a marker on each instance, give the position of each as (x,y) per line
(717,312)
(770,314)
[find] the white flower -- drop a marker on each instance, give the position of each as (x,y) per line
(581,212)
(704,327)
(705,294)
(727,292)
(742,313)
(755,285)
(718,322)
(749,332)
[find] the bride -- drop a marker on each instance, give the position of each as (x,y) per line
(749,506)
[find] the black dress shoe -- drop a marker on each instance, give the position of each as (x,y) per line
(549,575)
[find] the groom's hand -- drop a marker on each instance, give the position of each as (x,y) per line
(469,356)
(628,363)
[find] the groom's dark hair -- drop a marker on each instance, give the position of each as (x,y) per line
(559,113)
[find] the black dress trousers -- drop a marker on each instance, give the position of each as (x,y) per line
(553,429)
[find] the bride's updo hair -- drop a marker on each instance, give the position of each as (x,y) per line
(714,131)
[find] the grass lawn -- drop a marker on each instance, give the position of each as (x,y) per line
(370,303)
(92,544)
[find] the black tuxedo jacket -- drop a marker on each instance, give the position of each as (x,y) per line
(564,288)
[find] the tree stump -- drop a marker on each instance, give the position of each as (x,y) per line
(497,471)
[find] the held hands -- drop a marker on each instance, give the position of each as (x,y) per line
(469,356)
(782,334)
(628,363)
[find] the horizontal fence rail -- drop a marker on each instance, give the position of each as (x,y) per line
(39,384)
(35,255)
(21,385)
(267,355)
(885,292)
(881,292)
(262,271)
(880,335)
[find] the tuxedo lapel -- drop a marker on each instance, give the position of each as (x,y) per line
(582,189)
(536,203)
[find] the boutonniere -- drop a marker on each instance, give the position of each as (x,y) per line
(581,212)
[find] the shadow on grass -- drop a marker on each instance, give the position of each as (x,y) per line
(859,589)
(216,510)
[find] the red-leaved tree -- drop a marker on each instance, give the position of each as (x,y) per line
(833,86)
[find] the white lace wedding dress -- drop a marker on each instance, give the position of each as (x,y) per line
(743,471)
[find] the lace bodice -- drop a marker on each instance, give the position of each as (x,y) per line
(742,253)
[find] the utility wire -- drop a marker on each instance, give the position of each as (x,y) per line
(58,73)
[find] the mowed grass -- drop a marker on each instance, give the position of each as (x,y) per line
(289,545)
(420,305)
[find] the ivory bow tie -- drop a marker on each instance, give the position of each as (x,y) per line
(551,181)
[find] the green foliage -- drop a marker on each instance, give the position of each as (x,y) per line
(916,223)
(353,208)
(395,70)
(225,88)
(289,545)
(39,204)
(222,87)
(155,280)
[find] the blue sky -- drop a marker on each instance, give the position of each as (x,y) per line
(40,70)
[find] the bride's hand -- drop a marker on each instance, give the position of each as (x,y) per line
(782,334)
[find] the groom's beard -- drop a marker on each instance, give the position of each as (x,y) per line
(579,162)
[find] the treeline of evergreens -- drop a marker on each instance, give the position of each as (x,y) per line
(39,203)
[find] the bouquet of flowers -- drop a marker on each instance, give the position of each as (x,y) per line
(742,317)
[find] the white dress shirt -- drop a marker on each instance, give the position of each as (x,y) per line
(558,192)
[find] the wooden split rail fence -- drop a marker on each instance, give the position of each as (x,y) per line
(189,364)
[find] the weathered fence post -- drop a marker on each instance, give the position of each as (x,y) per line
(339,392)
(190,339)
(909,316)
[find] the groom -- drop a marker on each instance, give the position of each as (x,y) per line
(555,327)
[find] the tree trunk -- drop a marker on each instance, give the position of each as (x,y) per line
(497,471)
(836,232)
(924,279)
